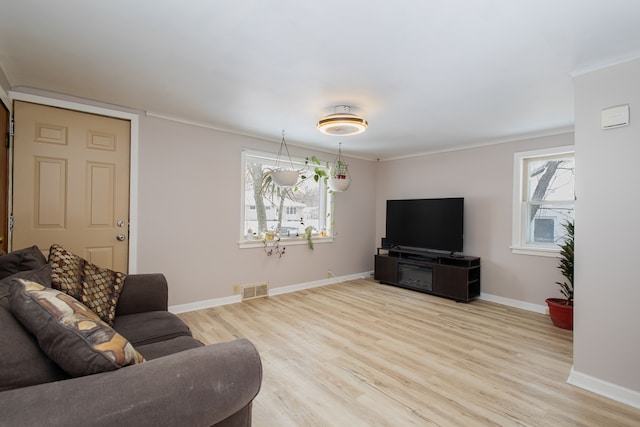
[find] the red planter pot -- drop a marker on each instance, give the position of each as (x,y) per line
(561,314)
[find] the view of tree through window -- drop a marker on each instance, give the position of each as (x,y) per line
(543,199)
(550,197)
(285,212)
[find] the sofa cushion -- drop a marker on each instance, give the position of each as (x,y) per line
(96,287)
(150,327)
(71,334)
(167,347)
(21,260)
(41,275)
(23,363)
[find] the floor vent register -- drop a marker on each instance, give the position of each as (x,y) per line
(256,290)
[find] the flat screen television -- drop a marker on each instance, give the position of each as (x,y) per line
(430,224)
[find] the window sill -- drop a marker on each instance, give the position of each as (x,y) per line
(536,251)
(243,244)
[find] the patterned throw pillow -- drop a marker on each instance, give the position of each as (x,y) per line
(96,287)
(71,334)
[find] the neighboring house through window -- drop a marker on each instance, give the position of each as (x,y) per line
(543,199)
(267,208)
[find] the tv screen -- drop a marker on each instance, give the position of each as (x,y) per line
(426,223)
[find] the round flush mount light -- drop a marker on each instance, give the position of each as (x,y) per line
(342,122)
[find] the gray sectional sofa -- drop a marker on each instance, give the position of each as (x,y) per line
(181,382)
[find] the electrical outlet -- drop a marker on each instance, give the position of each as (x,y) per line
(236,289)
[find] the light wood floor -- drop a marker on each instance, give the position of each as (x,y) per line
(364,354)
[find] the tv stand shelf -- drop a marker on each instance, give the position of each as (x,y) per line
(450,276)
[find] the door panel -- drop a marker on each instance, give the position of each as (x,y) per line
(71,182)
(100,183)
(51,193)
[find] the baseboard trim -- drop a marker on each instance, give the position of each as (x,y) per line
(216,302)
(536,308)
(604,388)
(201,305)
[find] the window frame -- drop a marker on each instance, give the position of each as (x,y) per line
(326,204)
(520,225)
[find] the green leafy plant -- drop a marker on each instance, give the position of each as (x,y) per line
(309,236)
(319,172)
(566,262)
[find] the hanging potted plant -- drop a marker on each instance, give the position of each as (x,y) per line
(561,309)
(339,178)
(284,177)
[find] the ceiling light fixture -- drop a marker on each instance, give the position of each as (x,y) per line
(342,122)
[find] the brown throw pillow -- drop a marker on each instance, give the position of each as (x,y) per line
(96,287)
(68,332)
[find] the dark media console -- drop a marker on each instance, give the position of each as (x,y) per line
(450,276)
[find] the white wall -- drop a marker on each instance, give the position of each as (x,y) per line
(484,177)
(606,340)
(189,216)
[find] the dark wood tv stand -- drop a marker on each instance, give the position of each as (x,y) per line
(454,277)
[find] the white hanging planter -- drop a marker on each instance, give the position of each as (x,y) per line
(285,177)
(339,184)
(339,178)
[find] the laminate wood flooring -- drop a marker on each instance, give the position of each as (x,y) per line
(360,353)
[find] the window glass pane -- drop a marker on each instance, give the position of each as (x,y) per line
(545,222)
(544,199)
(551,179)
(288,211)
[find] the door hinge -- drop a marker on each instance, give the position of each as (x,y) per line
(11,223)
(12,127)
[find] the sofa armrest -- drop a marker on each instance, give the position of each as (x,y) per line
(142,293)
(197,387)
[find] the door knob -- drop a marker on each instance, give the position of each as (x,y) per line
(120,237)
(120,223)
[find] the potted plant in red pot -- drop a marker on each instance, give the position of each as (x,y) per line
(561,309)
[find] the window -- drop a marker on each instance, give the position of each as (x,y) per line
(287,212)
(543,199)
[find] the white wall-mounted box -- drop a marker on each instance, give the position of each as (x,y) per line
(615,117)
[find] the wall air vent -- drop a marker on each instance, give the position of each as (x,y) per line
(615,117)
(256,290)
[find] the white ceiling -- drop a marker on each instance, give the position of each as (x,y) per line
(428,75)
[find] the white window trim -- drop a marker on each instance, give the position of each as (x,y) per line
(518,239)
(290,241)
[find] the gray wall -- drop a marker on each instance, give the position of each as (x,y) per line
(484,177)
(189,216)
(606,340)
